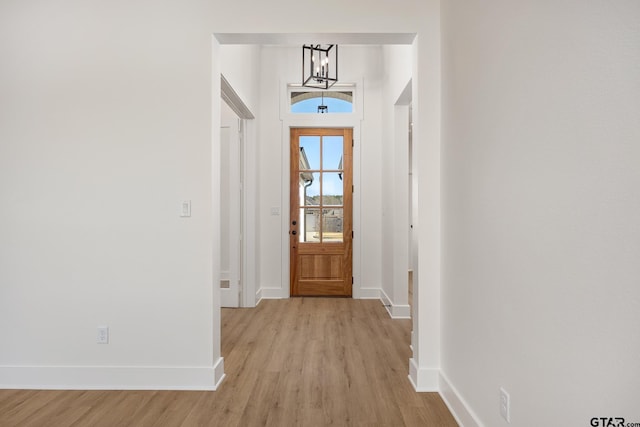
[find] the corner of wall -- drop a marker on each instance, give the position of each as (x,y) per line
(396,311)
(218,371)
(423,379)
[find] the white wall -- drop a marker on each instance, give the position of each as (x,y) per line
(370,151)
(335,19)
(397,68)
(281,65)
(270,180)
(395,182)
(105,126)
(240,65)
(541,238)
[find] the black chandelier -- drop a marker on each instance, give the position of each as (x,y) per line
(319,65)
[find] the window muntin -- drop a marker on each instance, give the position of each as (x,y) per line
(321,188)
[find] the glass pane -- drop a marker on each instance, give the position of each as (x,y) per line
(308,102)
(310,225)
(332,152)
(310,188)
(309,152)
(332,225)
(332,188)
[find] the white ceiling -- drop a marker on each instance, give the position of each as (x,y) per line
(323,38)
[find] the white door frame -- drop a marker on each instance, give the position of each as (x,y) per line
(242,202)
(230,208)
(346,120)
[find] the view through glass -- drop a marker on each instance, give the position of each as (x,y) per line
(321,189)
(316,101)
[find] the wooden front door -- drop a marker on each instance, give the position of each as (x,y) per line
(320,221)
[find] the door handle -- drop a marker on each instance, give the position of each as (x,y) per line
(294,232)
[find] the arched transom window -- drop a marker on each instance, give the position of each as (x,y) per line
(326,101)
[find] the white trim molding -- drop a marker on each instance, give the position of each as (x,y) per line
(396,311)
(274,293)
(234,101)
(112,377)
(218,372)
(347,120)
(423,379)
(366,293)
(460,410)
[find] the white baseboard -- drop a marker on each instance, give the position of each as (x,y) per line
(112,377)
(218,372)
(279,293)
(401,311)
(433,380)
(422,379)
(396,311)
(273,293)
(456,404)
(258,297)
(366,293)
(386,301)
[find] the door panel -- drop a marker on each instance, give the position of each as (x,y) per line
(320,242)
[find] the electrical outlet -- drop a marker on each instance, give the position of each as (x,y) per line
(505,405)
(185,208)
(103,335)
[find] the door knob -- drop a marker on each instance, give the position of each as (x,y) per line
(294,232)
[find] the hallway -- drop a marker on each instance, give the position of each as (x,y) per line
(321,361)
(294,362)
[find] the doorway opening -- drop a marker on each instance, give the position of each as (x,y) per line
(275,284)
(233,216)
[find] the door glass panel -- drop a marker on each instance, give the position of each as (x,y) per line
(332,150)
(332,189)
(332,219)
(309,152)
(310,188)
(310,225)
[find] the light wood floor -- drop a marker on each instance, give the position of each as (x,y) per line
(297,362)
